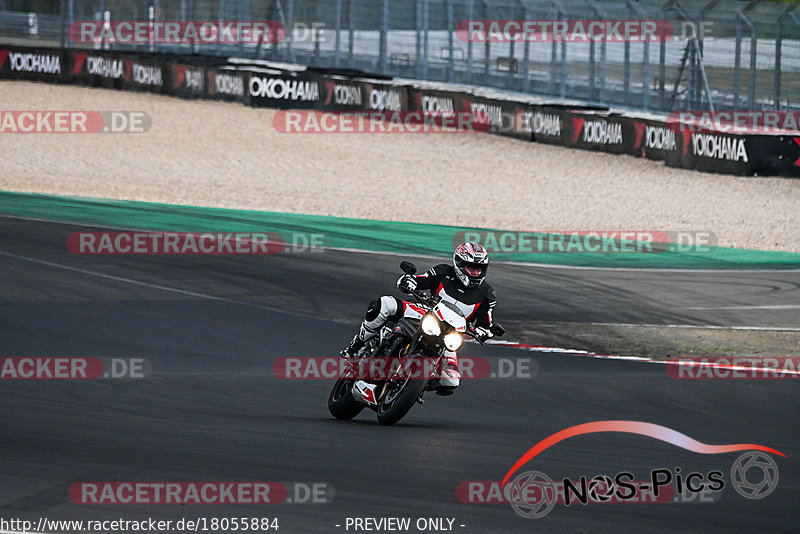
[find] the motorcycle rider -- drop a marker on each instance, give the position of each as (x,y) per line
(462,283)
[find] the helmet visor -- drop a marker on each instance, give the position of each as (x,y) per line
(474,270)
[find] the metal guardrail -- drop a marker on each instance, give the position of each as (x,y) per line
(748,57)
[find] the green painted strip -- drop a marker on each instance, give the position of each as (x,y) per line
(340,232)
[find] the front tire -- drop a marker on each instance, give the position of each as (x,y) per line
(341,403)
(401,403)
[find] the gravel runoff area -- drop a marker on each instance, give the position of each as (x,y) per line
(228,155)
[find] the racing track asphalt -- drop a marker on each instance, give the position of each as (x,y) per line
(213,410)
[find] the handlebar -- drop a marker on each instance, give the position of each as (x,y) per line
(431,301)
(426,298)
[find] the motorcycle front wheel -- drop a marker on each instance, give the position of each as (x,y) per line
(399,399)
(341,403)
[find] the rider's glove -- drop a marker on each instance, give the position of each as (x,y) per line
(482,334)
(407,283)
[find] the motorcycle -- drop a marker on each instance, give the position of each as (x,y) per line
(414,349)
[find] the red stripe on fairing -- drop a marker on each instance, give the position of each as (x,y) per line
(413,307)
(439,313)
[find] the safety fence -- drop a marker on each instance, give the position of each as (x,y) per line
(708,55)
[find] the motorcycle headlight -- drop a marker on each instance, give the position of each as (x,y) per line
(453,341)
(430,325)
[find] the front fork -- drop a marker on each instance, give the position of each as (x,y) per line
(389,348)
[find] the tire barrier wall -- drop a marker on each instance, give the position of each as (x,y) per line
(261,84)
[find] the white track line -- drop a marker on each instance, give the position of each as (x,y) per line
(766,307)
(270,308)
(709,363)
(415,255)
(689,326)
(687,270)
(281,310)
(162,288)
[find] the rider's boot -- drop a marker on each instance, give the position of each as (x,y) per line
(358,342)
(377,313)
(354,346)
(450,378)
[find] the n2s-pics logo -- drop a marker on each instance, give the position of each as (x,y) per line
(533,494)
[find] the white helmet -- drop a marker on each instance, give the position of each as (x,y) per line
(471,261)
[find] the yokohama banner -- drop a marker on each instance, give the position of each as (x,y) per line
(42,64)
(548,125)
(514,119)
(98,68)
(187,80)
(284,90)
(602,131)
(587,128)
(656,140)
(343,94)
(435,102)
(775,154)
(711,151)
(738,154)
(143,73)
(385,97)
(226,83)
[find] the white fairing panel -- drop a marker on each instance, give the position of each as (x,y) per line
(450,316)
(466,309)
